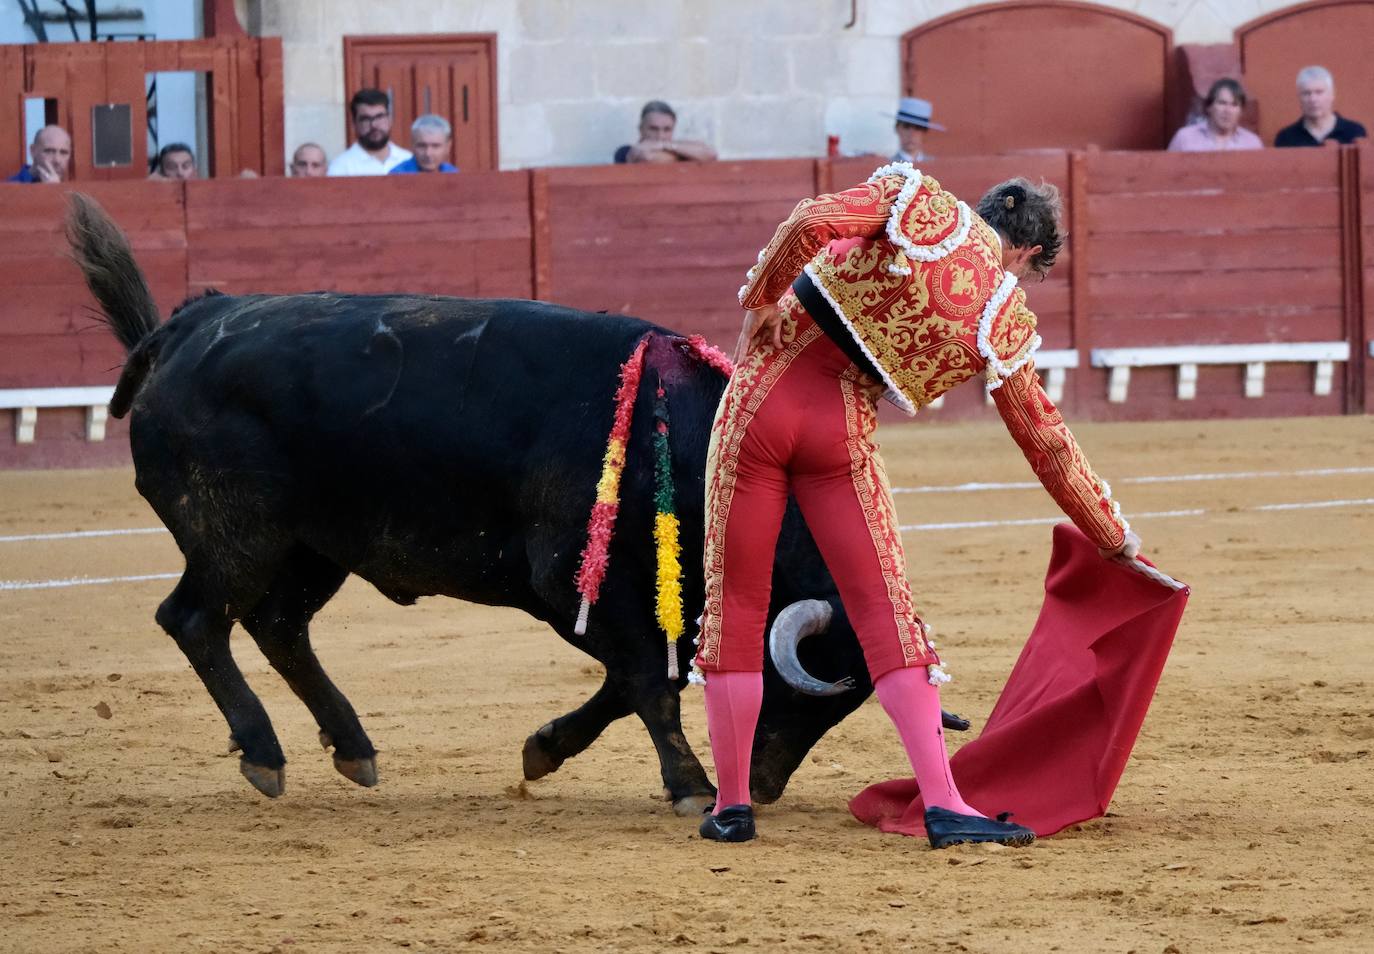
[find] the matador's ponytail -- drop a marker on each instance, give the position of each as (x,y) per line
(1026,215)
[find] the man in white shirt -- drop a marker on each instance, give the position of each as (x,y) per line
(373,154)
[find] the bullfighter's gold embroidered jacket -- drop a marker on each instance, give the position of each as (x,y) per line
(916,277)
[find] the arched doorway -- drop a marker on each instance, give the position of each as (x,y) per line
(1042,74)
(1336,34)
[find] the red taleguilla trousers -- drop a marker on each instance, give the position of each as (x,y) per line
(800,420)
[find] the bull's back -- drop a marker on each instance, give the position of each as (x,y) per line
(414,440)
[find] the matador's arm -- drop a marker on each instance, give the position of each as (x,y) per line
(861,212)
(1038,427)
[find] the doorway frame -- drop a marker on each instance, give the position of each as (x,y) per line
(355,46)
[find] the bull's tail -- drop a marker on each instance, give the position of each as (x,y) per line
(102,252)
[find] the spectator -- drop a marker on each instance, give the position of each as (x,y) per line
(656,143)
(175,161)
(373,154)
(1320,122)
(308,161)
(51,155)
(432,139)
(913,120)
(1219,128)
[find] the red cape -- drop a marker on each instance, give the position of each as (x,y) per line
(1058,739)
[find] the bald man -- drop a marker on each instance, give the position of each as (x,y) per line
(50,155)
(309,161)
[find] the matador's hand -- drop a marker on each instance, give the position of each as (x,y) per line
(760,325)
(1129,549)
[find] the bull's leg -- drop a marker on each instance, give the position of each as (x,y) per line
(199,624)
(280,623)
(656,704)
(557,741)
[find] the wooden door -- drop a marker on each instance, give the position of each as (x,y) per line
(1336,34)
(1041,74)
(451,75)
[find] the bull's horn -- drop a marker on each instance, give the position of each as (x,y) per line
(795,623)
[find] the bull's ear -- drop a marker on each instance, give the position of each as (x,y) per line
(795,623)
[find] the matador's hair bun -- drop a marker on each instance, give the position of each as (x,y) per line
(1026,215)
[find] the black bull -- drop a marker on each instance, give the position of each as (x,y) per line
(430,446)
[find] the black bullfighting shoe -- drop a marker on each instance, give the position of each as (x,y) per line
(735,823)
(945,828)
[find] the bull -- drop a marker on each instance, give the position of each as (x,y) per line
(432,446)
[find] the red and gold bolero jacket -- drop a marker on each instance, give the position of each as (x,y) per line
(916,277)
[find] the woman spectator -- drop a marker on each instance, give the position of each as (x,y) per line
(1219,128)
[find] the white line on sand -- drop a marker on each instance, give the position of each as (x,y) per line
(1155,515)
(82,534)
(931,489)
(1161,479)
(82,581)
(913,528)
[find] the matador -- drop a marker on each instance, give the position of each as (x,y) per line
(891,289)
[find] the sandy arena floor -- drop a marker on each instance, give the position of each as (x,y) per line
(1244,821)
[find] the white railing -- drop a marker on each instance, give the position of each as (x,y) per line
(25,403)
(1323,355)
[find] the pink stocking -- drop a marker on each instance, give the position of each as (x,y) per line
(732,712)
(913,705)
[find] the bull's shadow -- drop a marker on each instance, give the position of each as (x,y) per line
(431,446)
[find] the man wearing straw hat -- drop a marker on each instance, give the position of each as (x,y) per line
(913,119)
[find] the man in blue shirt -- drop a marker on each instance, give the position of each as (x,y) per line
(1320,123)
(431,138)
(51,155)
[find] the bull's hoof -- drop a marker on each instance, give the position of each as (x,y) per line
(693,806)
(537,761)
(361,771)
(270,781)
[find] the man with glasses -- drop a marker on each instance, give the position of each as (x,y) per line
(373,154)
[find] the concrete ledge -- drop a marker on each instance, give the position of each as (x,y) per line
(1322,354)
(25,403)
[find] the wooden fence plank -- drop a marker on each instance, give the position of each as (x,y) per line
(1145,293)
(1217,327)
(49,327)
(1257,171)
(1164,252)
(1274,212)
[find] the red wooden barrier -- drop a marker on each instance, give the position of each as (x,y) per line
(465,235)
(49,333)
(1214,249)
(669,243)
(1164,249)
